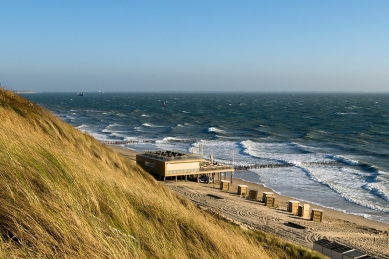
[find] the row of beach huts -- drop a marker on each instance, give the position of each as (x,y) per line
(331,249)
(294,207)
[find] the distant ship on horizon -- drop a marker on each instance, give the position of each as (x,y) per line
(80,94)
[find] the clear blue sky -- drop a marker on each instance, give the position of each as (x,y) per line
(224,45)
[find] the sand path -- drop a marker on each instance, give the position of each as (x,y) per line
(254,215)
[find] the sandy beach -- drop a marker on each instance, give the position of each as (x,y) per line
(131,154)
(355,231)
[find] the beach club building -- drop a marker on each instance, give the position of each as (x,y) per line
(173,164)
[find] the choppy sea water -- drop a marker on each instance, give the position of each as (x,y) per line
(338,144)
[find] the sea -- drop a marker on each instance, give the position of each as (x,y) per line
(329,149)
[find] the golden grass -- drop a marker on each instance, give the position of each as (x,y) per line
(65,195)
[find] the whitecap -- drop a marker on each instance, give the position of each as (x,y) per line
(379,189)
(345,159)
(170,139)
(216,130)
(82,126)
(346,113)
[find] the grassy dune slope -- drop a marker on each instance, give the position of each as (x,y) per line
(65,195)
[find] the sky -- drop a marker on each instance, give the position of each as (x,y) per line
(323,45)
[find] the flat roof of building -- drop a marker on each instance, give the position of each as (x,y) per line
(167,155)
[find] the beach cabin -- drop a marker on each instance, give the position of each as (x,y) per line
(224,185)
(333,250)
(253,194)
(173,164)
(293,207)
(265,194)
(319,244)
(353,254)
(317,215)
(242,189)
(270,201)
(338,251)
(303,211)
(327,249)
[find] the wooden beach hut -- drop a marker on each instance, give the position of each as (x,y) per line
(270,201)
(253,194)
(242,189)
(265,194)
(224,185)
(303,211)
(293,207)
(317,215)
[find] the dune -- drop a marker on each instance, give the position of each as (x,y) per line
(66,195)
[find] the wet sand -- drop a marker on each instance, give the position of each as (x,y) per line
(131,154)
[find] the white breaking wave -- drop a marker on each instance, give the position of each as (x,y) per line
(346,113)
(113,125)
(379,188)
(170,139)
(348,183)
(82,126)
(345,160)
(153,126)
(216,130)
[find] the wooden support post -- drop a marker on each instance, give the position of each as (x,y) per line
(176,178)
(186,178)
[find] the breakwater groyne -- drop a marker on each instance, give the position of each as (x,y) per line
(259,166)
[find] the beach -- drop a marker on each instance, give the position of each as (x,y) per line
(313,146)
(131,154)
(354,231)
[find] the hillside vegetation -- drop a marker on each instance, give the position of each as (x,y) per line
(65,195)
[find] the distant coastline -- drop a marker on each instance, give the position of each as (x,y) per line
(24,92)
